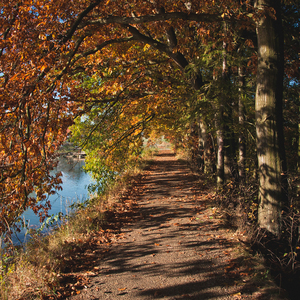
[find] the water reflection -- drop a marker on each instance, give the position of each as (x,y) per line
(75,183)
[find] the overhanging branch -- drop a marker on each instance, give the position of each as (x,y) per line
(207,18)
(79,20)
(177,57)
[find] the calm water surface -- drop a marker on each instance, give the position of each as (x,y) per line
(75,183)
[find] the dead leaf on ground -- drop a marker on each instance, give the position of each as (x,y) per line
(237,295)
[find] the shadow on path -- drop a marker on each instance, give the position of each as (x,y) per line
(177,249)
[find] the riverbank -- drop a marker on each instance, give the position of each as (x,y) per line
(74,154)
(34,270)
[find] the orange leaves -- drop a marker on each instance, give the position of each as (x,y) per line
(59,63)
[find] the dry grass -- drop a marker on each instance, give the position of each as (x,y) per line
(33,272)
(24,280)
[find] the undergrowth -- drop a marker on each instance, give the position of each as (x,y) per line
(239,205)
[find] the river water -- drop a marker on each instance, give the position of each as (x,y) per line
(75,183)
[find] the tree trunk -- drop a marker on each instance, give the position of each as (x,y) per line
(241,113)
(228,134)
(298,160)
(230,164)
(220,146)
(269,120)
(202,144)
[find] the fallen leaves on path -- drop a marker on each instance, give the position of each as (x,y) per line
(181,238)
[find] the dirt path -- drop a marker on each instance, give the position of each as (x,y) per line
(178,249)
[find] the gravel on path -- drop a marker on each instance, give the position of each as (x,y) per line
(178,248)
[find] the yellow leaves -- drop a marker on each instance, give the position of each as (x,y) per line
(42,36)
(237,295)
(146,47)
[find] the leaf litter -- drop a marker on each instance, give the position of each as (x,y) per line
(204,260)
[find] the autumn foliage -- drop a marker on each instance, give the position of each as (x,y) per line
(116,71)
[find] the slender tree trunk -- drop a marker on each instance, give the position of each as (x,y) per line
(206,148)
(226,131)
(202,144)
(230,165)
(298,160)
(227,119)
(220,146)
(208,152)
(220,126)
(194,144)
(241,113)
(269,120)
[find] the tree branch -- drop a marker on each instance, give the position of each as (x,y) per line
(177,57)
(141,124)
(101,46)
(79,20)
(207,18)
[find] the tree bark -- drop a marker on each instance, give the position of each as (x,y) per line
(269,120)
(241,112)
(298,160)
(220,145)
(202,144)
(228,135)
(226,117)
